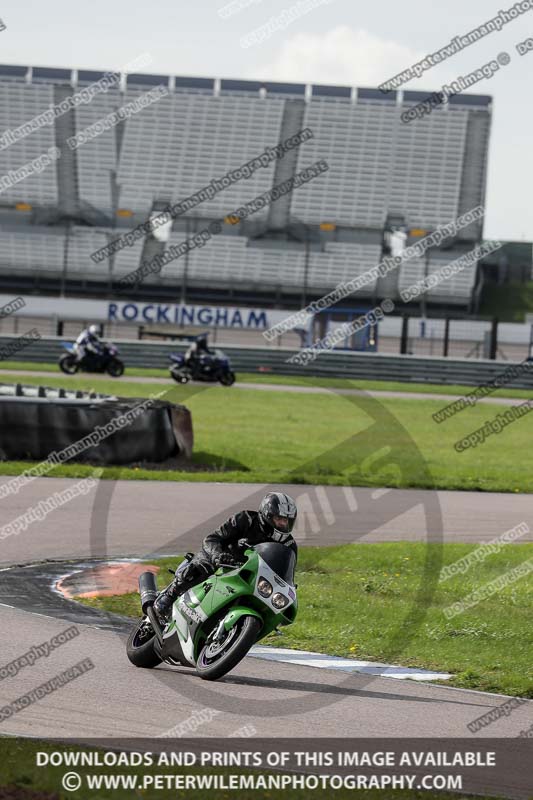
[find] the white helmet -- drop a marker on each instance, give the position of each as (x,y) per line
(94,330)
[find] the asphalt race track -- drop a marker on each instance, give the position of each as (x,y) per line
(140,519)
(136,518)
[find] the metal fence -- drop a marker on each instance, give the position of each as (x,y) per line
(336,364)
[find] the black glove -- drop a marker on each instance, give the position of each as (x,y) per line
(227,559)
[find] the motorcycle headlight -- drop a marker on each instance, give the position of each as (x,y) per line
(264,587)
(279,600)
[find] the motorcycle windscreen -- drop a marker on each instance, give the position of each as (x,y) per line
(280,559)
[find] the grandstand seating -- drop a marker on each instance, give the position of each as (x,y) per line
(455,290)
(428,172)
(97,158)
(20,102)
(226,259)
(180,143)
(29,252)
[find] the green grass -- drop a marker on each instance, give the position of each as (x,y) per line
(273,437)
(355,601)
(18,769)
(455,390)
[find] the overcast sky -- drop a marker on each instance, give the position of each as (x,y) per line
(333,41)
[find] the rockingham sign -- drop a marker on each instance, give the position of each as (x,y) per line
(183,315)
(143,313)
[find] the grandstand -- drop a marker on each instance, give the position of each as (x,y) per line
(329,230)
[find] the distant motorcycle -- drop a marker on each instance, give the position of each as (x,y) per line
(210,368)
(105,361)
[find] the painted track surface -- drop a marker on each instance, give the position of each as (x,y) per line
(143,518)
(272,387)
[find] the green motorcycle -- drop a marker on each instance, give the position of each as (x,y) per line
(214,624)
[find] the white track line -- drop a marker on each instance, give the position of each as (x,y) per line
(308,659)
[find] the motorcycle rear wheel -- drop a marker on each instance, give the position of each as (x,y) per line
(179,377)
(215,661)
(69,364)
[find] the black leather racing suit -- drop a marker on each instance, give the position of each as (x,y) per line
(243,525)
(195,352)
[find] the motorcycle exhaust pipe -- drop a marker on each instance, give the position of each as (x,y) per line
(148,592)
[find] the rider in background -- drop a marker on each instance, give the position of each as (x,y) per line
(88,342)
(196,350)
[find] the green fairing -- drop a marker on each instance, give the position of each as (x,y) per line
(215,623)
(214,599)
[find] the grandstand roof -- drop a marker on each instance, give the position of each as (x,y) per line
(64,75)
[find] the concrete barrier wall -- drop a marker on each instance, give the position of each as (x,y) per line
(340,364)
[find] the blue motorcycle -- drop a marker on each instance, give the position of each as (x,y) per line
(105,361)
(211,368)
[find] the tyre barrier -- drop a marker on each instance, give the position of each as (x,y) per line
(36,422)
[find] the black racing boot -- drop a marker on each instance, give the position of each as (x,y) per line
(197,569)
(165,601)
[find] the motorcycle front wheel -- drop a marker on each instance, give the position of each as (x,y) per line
(69,364)
(218,658)
(115,368)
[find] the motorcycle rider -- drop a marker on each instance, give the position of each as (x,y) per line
(273,522)
(197,349)
(88,342)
